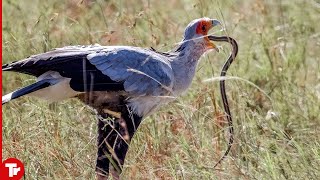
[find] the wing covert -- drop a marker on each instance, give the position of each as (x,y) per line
(141,71)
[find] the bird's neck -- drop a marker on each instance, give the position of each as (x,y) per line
(184,65)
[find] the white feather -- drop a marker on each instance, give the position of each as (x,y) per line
(61,89)
(146,105)
(6,98)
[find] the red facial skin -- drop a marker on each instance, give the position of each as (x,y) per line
(202,29)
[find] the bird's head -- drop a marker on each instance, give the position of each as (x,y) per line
(197,31)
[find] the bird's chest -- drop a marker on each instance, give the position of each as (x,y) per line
(183,78)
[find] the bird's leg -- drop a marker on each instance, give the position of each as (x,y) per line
(108,135)
(126,126)
(114,137)
(103,154)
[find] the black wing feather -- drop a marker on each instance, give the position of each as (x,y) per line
(84,76)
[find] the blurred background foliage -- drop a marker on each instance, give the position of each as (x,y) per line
(277,129)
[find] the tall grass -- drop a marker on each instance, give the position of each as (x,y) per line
(276,138)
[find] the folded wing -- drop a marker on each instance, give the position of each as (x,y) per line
(137,71)
(142,72)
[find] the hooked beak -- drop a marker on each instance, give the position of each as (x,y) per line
(210,44)
(215,22)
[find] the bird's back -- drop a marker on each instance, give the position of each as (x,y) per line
(136,71)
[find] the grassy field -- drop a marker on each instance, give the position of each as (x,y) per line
(276,129)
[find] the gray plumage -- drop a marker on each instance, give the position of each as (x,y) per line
(148,74)
(121,82)
(147,77)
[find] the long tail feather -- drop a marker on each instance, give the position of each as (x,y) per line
(6,67)
(26,90)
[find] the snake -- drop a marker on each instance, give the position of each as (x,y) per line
(223,93)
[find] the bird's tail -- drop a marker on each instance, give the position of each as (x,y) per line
(26,90)
(6,67)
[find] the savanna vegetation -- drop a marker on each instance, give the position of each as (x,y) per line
(276,120)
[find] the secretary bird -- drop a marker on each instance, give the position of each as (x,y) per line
(123,84)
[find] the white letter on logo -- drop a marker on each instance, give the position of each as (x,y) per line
(13,171)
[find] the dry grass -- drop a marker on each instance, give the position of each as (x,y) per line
(279,52)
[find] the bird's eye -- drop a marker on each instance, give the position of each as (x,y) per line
(204,28)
